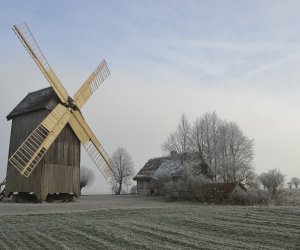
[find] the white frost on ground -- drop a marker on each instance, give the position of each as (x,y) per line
(85,203)
(137,222)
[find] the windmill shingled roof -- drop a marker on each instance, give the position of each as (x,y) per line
(34,101)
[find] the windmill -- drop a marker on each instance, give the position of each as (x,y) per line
(47,129)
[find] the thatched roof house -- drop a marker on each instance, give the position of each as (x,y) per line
(173,169)
(149,169)
(152,170)
(165,166)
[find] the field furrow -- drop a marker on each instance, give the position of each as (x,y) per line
(183,227)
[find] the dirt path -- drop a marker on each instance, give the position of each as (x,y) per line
(86,203)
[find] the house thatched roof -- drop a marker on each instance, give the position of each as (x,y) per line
(34,101)
(170,165)
(149,168)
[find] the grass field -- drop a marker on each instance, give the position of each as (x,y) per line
(188,226)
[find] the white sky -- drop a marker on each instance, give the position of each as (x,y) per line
(239,58)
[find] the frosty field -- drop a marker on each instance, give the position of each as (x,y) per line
(129,222)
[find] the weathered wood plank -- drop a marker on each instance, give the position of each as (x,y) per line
(57,172)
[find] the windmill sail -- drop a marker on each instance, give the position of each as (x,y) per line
(27,39)
(32,150)
(91,84)
(91,144)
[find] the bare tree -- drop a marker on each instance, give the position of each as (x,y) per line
(198,138)
(87,177)
(205,139)
(236,154)
(221,145)
(123,170)
(295,181)
(272,180)
(179,140)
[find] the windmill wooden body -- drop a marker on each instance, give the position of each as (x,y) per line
(47,129)
(59,169)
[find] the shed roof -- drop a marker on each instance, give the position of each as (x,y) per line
(216,190)
(34,101)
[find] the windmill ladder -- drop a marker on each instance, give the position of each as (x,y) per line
(2,193)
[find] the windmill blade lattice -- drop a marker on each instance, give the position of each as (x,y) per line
(32,150)
(29,42)
(91,84)
(91,144)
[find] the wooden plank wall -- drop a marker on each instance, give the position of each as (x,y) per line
(57,172)
(143,187)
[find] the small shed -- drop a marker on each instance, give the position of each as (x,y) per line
(59,169)
(219,192)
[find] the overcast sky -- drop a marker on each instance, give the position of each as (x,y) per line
(238,58)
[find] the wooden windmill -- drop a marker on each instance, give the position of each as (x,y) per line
(47,128)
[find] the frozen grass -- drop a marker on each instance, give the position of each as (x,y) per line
(180,227)
(293,196)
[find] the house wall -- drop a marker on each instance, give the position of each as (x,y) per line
(57,172)
(144,187)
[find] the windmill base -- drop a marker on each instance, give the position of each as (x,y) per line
(63,197)
(25,197)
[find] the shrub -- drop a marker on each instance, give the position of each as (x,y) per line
(183,187)
(252,196)
(162,184)
(87,177)
(295,181)
(272,181)
(133,189)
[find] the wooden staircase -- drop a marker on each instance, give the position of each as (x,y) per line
(2,191)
